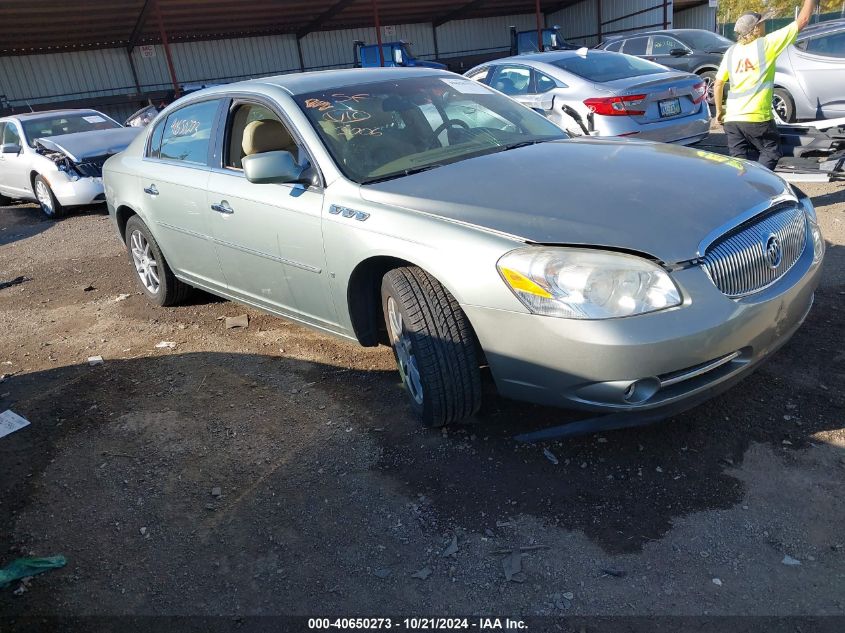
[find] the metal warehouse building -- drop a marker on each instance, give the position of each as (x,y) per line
(116,55)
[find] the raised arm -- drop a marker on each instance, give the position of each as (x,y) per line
(805,14)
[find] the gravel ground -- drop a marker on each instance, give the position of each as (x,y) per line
(273,470)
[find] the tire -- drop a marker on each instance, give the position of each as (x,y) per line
(50,207)
(434,346)
(152,273)
(709,77)
(5,201)
(783,105)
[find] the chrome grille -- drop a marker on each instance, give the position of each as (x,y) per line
(744,260)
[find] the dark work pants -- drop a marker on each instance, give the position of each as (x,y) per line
(754,141)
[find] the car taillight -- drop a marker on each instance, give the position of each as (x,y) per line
(616,106)
(699,91)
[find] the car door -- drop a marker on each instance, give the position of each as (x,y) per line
(174,178)
(268,237)
(15,168)
(819,63)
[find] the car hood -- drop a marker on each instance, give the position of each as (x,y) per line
(653,198)
(80,146)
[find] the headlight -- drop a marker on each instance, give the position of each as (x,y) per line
(813,224)
(586,284)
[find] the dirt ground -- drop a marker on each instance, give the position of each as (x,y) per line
(273,470)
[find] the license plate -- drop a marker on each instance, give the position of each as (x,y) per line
(669,107)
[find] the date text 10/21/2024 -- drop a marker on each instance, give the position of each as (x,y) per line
(421,623)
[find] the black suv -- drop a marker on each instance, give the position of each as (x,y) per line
(692,50)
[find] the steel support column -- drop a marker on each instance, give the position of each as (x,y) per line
(665,14)
(539,26)
(166,44)
(378,32)
(598,18)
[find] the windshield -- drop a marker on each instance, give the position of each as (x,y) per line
(393,128)
(65,124)
(703,40)
(603,66)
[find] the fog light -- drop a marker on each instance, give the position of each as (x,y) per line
(641,390)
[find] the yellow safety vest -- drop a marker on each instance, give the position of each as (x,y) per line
(750,68)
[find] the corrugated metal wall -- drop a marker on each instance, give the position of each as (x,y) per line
(485,35)
(579,23)
(36,78)
(79,75)
(702,17)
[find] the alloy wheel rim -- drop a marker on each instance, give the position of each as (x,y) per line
(708,91)
(407,361)
(44,198)
(779,106)
(145,263)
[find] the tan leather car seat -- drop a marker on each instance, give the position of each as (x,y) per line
(267,135)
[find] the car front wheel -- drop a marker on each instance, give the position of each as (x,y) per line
(51,207)
(434,346)
(153,274)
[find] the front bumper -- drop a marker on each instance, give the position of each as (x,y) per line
(71,193)
(650,361)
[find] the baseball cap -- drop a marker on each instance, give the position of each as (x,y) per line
(747,22)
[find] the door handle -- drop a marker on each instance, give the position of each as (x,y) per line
(151,190)
(222,207)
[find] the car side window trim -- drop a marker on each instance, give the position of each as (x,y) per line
(221,132)
(160,125)
(676,44)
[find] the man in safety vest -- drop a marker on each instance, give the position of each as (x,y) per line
(749,65)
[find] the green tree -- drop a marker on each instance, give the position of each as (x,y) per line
(730,10)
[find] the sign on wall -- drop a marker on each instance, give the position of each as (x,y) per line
(148,50)
(390,31)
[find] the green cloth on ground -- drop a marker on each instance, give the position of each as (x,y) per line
(24,567)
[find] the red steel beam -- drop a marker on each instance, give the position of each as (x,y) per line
(167,56)
(378,33)
(539,26)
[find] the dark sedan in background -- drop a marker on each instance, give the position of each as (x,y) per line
(691,50)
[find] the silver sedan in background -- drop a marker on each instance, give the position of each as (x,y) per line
(810,75)
(600,93)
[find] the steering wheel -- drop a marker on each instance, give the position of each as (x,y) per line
(450,123)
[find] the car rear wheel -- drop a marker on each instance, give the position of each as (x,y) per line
(434,346)
(5,201)
(709,77)
(51,207)
(783,105)
(153,274)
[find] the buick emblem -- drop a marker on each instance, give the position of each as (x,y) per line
(774,251)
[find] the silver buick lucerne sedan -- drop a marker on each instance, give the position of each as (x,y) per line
(421,209)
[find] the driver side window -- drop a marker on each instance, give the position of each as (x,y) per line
(254,129)
(513,80)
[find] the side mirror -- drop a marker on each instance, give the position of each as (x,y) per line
(10,148)
(678,52)
(398,58)
(273,167)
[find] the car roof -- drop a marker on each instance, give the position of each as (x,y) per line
(46,114)
(300,83)
(550,57)
(820,28)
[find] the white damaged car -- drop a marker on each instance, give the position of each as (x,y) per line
(56,157)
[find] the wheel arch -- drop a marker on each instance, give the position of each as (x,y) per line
(121,218)
(706,68)
(363,296)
